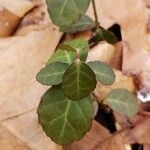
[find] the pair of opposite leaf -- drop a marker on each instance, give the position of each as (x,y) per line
(78,79)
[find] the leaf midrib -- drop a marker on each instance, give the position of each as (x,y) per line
(104,74)
(68,58)
(63,6)
(75,6)
(78,78)
(49,75)
(66,119)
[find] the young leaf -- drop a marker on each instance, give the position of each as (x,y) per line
(78,81)
(84,23)
(81,46)
(63,120)
(104,35)
(52,74)
(123,102)
(65,12)
(104,73)
(63,56)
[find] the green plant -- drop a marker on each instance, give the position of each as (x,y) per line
(65,110)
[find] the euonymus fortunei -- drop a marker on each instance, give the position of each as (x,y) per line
(65,110)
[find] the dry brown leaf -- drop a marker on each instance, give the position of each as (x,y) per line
(139,134)
(10,142)
(37,19)
(21,58)
(146,147)
(113,143)
(11,14)
(18,7)
(116,60)
(21,92)
(103,52)
(8,22)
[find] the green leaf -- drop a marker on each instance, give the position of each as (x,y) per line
(81,46)
(52,74)
(63,56)
(63,120)
(78,81)
(104,73)
(84,23)
(104,35)
(65,12)
(123,102)
(66,47)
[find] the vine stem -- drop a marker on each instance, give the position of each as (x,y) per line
(95,14)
